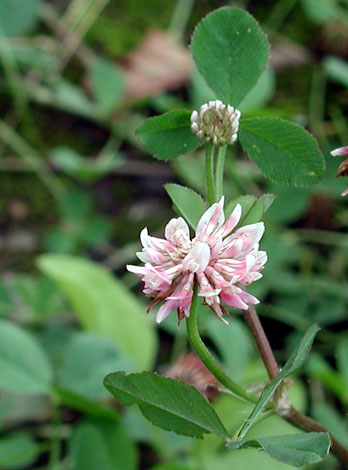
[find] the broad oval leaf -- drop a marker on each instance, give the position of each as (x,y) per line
(294,449)
(104,305)
(86,361)
(284,151)
(231,52)
(24,366)
(88,449)
(169,404)
(169,135)
(101,444)
(187,203)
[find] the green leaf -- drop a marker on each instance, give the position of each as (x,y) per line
(88,449)
(246,202)
(17,450)
(294,449)
(104,306)
(18,17)
(24,366)
(88,407)
(295,361)
(70,98)
(107,85)
(120,447)
(233,343)
(329,417)
(85,169)
(169,135)
(231,52)
(253,210)
(283,151)
(336,69)
(254,215)
(321,11)
(261,94)
(169,404)
(187,203)
(342,359)
(267,200)
(102,445)
(300,354)
(87,359)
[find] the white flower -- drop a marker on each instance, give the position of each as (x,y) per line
(216,122)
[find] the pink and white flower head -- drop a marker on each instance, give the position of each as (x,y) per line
(221,262)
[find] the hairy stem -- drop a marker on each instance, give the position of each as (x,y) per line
(209,172)
(207,359)
(293,416)
(219,172)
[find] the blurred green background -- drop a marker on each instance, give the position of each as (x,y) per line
(76,78)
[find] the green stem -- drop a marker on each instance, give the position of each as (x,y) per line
(200,348)
(209,172)
(219,172)
(54,454)
(180,18)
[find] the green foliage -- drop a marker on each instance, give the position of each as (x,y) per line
(169,135)
(24,366)
(107,85)
(296,360)
(283,151)
(18,17)
(85,169)
(17,450)
(169,404)
(336,69)
(261,94)
(296,449)
(328,416)
(253,209)
(104,306)
(101,444)
(321,11)
(231,52)
(87,359)
(187,203)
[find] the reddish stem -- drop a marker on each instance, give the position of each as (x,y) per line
(293,416)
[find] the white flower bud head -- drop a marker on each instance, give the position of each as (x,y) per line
(216,122)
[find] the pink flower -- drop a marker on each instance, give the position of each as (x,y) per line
(221,262)
(341,151)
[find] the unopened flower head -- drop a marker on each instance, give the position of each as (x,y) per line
(220,261)
(216,123)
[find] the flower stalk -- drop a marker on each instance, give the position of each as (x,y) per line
(202,351)
(209,171)
(219,172)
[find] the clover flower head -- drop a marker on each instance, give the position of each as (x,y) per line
(221,261)
(216,122)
